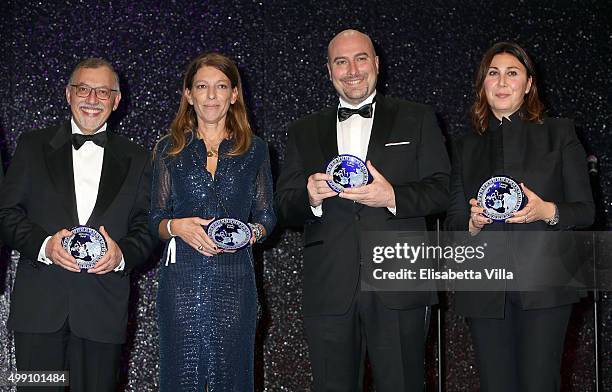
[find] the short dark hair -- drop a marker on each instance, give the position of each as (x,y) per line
(94,62)
(479,111)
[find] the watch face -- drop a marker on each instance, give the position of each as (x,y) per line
(86,244)
(347,171)
(229,233)
(500,197)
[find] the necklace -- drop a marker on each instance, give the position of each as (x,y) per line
(212,149)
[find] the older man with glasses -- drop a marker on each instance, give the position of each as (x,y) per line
(66,317)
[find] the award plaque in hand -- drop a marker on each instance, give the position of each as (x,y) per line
(229,233)
(86,244)
(501,196)
(347,171)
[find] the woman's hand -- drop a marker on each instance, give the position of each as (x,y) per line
(535,210)
(477,219)
(191,231)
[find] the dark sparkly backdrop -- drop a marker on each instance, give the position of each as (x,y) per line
(428,49)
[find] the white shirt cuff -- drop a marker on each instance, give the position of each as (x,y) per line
(42,255)
(317,211)
(121,265)
(392,210)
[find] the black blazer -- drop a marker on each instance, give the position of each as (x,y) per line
(37,199)
(549,160)
(418,171)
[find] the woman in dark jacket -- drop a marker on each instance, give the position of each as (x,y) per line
(518,335)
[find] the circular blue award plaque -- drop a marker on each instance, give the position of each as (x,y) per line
(347,171)
(86,244)
(229,233)
(501,196)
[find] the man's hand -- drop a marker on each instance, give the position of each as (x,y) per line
(379,193)
(55,252)
(111,259)
(318,190)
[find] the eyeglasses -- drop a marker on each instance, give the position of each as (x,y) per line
(83,91)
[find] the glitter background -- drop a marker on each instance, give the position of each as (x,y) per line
(429,51)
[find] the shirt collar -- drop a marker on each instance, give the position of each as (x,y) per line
(76,129)
(366,101)
(494,122)
(511,118)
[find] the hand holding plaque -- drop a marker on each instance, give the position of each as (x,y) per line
(378,193)
(477,219)
(111,260)
(229,234)
(318,189)
(536,209)
(55,252)
(501,197)
(86,244)
(347,171)
(192,230)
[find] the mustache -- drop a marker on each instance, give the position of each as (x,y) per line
(90,106)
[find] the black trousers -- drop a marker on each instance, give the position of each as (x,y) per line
(93,366)
(394,341)
(521,352)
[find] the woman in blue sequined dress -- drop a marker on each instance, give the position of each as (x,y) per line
(209,165)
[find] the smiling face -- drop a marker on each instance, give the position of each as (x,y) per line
(506,84)
(353,66)
(211,95)
(90,113)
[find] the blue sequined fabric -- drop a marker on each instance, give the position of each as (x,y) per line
(207,306)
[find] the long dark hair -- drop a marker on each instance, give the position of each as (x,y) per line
(237,122)
(480,112)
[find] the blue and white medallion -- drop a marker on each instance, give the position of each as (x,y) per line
(86,244)
(229,233)
(347,171)
(501,197)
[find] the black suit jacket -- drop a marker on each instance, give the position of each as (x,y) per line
(37,199)
(418,172)
(549,160)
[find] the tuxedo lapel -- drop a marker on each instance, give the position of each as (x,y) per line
(328,135)
(384,116)
(115,167)
(58,155)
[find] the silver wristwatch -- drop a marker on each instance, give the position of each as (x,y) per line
(555,219)
(257,231)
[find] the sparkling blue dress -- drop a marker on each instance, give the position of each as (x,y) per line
(207,306)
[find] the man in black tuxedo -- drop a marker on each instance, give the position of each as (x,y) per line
(76,173)
(406,156)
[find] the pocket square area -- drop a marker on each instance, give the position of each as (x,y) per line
(396,144)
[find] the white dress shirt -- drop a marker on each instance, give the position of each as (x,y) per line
(353,136)
(87,169)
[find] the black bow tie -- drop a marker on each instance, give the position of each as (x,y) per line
(99,138)
(364,111)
